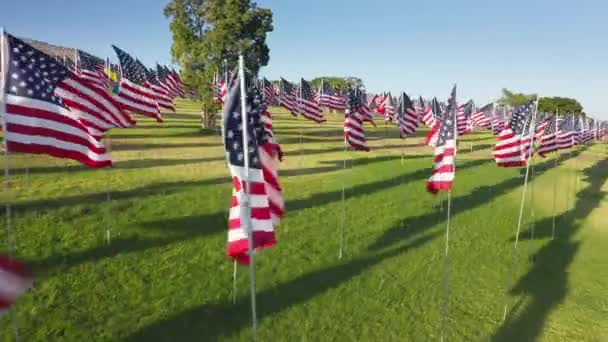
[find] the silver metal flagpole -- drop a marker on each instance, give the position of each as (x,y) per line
(342,221)
(555,182)
(9,228)
(446,270)
(299,104)
(108,197)
(446,258)
(521,208)
(245,215)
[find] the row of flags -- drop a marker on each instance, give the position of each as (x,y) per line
(65,110)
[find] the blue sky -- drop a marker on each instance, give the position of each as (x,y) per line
(555,48)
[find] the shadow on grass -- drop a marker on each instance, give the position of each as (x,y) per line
(546,284)
(135,146)
(193,133)
(477,197)
(173,230)
(190,224)
(211,322)
(121,165)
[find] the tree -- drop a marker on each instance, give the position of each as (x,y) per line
(210,34)
(545,104)
(564,104)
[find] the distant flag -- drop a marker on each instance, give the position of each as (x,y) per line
(91,68)
(162,95)
(426,112)
(287,97)
(365,111)
(482,117)
(514,142)
(463,114)
(566,136)
(307,106)
(266,205)
(162,73)
(15,280)
(354,130)
(433,122)
(36,118)
(548,142)
(407,117)
(329,97)
(498,120)
(268,91)
(444,169)
(133,95)
(174,78)
(389,109)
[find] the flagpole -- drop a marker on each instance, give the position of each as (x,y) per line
(446,258)
(299,104)
(342,221)
(446,269)
(246,215)
(555,182)
(108,197)
(521,208)
(9,229)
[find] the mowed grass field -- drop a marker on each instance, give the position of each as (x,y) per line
(163,274)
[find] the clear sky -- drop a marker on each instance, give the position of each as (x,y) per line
(551,47)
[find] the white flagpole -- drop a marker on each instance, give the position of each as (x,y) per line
(246,213)
(521,208)
(342,221)
(9,229)
(299,104)
(555,182)
(446,258)
(109,198)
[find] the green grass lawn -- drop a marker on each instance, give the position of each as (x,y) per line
(164,276)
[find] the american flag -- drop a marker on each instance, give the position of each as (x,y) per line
(262,187)
(133,95)
(268,91)
(542,120)
(15,280)
(426,113)
(514,142)
(162,95)
(566,136)
(354,130)
(498,120)
(366,113)
(307,106)
(329,97)
(444,164)
(482,117)
(91,68)
(548,142)
(176,81)
(162,73)
(407,116)
(378,103)
(586,134)
(602,130)
(389,108)
(36,119)
(433,134)
(463,114)
(287,97)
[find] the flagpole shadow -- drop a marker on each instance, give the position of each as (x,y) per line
(546,284)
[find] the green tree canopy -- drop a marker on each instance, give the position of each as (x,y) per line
(208,34)
(545,104)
